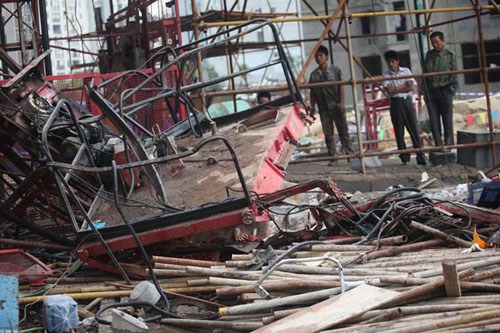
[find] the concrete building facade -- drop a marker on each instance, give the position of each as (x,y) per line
(461,36)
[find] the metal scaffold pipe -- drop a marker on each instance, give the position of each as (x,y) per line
(205,25)
(485,79)
(354,90)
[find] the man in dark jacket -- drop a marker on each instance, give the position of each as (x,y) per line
(330,102)
(440,89)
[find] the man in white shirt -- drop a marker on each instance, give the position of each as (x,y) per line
(402,113)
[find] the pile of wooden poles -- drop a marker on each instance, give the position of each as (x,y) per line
(436,287)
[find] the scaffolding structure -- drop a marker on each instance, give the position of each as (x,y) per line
(34,40)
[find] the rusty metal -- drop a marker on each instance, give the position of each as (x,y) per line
(62,172)
(23,244)
(389,153)
(484,75)
(343,82)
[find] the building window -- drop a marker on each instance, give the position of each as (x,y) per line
(373,65)
(494,11)
(260,36)
(404,59)
(470,59)
(56,28)
(366,25)
(400,21)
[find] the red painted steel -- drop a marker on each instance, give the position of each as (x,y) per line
(90,252)
(268,181)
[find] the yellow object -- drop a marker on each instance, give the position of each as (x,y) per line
(477,240)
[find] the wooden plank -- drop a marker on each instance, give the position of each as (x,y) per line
(331,312)
(451,281)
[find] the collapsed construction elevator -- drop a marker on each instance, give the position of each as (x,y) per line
(153,60)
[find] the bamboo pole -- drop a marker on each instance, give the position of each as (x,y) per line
(337,254)
(466,299)
(386,316)
(335,247)
(408,322)
(169,273)
(346,240)
(93,303)
(213,324)
(300,269)
(353,15)
(278,315)
(185,262)
(217,281)
(439,234)
(426,258)
(256,316)
(396,240)
(245,275)
(479,287)
(487,325)
(121,293)
(404,248)
(197,282)
(277,302)
(479,276)
(159,265)
(277,286)
(406,281)
(425,289)
(412,310)
(86,279)
(251,297)
(460,267)
(84,313)
(462,319)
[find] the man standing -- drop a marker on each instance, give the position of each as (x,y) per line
(440,89)
(402,113)
(330,102)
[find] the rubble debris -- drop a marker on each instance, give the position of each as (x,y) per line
(96,186)
(416,276)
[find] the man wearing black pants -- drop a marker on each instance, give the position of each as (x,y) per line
(440,89)
(402,112)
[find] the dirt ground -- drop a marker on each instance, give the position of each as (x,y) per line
(208,176)
(391,172)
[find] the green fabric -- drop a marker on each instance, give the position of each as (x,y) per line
(224,108)
(445,60)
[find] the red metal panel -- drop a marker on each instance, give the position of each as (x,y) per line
(163,234)
(270,177)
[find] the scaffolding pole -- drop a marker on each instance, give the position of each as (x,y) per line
(206,25)
(354,90)
(484,75)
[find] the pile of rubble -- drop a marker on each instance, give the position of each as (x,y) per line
(400,262)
